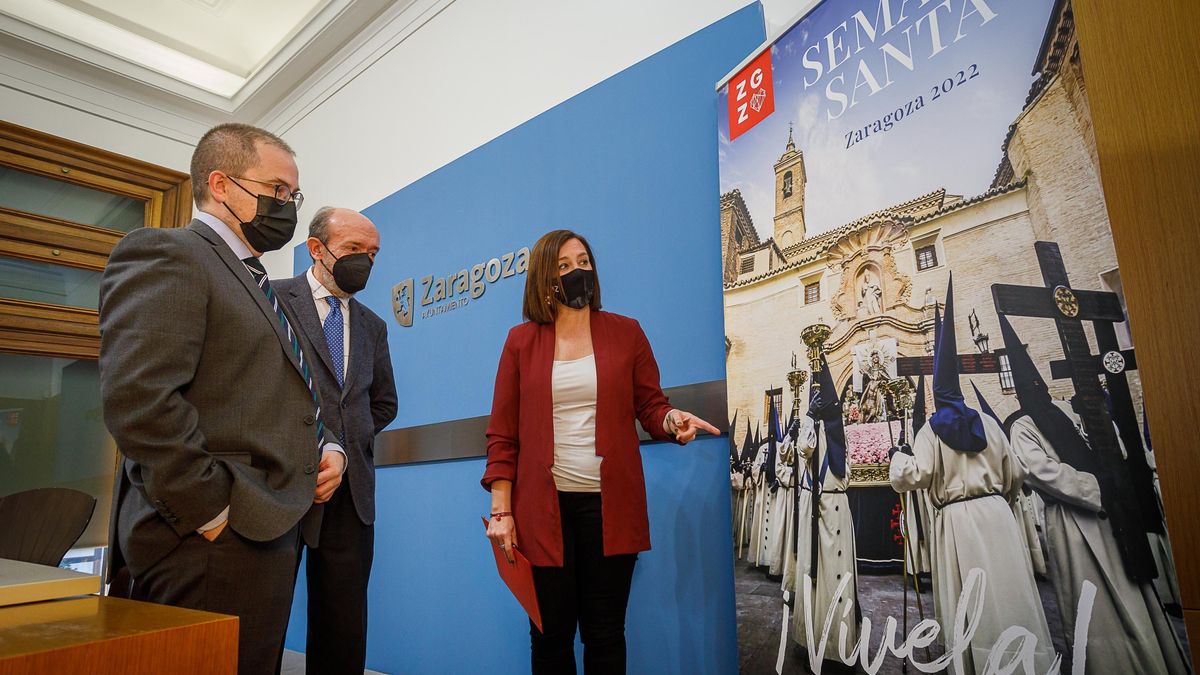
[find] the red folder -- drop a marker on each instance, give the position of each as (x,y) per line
(518,576)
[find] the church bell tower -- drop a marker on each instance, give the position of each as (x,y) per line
(790,181)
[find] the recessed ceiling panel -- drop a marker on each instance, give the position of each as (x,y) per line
(216,45)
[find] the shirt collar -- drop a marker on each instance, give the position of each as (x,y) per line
(319,291)
(226,234)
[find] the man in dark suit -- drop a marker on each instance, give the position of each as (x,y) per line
(354,371)
(207,394)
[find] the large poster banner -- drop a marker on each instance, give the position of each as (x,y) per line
(939,456)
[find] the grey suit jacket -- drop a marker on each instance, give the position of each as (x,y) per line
(367,402)
(202,394)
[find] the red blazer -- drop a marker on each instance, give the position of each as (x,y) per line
(521,433)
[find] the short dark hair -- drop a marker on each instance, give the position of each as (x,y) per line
(230,148)
(539,305)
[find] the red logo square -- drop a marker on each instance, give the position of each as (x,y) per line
(751,95)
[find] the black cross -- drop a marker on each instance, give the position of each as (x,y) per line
(1124,481)
(1113,363)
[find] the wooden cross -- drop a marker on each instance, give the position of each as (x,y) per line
(1113,363)
(1125,481)
(968,364)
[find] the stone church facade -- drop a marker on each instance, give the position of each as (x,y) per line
(876,280)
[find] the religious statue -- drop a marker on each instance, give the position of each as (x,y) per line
(882,348)
(871,302)
(872,404)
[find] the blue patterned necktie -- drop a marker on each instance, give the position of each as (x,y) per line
(335,337)
(255,266)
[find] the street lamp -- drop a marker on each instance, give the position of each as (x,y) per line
(981,342)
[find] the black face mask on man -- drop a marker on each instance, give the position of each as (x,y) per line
(273,224)
(350,272)
(576,288)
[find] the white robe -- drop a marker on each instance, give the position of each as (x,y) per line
(1129,632)
(1025,509)
(784,512)
(760,523)
(836,555)
(974,528)
(739,491)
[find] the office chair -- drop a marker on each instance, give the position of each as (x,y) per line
(40,526)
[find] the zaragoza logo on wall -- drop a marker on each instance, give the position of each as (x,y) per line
(454,290)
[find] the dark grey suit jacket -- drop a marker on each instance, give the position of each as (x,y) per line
(202,394)
(367,402)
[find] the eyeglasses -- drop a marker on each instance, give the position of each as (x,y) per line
(283,194)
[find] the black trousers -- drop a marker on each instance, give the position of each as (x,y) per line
(253,580)
(590,591)
(338,571)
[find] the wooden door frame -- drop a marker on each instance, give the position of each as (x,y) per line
(40,329)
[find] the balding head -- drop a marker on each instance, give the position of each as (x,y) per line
(337,232)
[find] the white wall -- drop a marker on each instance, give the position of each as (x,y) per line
(476,70)
(473,71)
(61,118)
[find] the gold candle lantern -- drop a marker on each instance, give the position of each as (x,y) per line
(814,338)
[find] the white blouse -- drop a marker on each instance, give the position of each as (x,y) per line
(576,466)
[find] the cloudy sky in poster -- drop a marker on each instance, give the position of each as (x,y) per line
(953,142)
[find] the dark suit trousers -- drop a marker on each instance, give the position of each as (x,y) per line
(232,575)
(590,590)
(338,571)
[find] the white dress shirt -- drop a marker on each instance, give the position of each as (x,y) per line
(319,294)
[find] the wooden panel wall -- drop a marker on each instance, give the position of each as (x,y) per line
(1141,62)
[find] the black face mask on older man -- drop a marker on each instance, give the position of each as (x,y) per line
(350,272)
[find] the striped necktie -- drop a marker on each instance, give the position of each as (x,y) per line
(260,277)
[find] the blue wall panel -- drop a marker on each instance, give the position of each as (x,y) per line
(632,164)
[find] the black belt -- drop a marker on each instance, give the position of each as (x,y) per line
(967,499)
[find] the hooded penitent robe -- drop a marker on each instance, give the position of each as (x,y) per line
(1026,506)
(760,518)
(1129,631)
(822,442)
(965,461)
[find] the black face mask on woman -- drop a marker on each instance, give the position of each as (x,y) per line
(273,224)
(576,288)
(350,272)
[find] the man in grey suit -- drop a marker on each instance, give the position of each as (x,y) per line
(207,394)
(354,371)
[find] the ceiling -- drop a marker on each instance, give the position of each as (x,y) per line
(218,53)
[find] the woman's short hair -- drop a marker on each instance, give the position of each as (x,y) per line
(540,305)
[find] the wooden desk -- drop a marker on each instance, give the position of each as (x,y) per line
(95,635)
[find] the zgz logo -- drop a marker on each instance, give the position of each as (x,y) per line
(466,285)
(751,96)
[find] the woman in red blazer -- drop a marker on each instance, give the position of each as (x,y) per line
(564,458)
